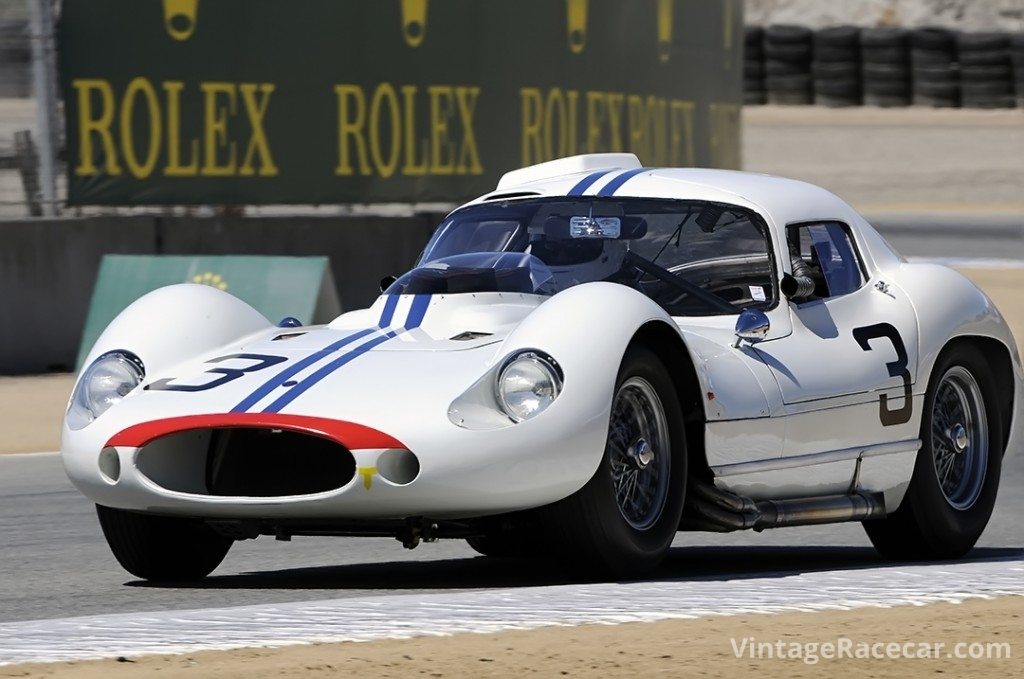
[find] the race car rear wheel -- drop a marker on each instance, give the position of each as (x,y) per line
(622,522)
(953,489)
(162,547)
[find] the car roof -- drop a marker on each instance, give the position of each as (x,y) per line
(779,200)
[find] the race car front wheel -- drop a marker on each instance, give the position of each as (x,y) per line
(953,488)
(622,522)
(162,547)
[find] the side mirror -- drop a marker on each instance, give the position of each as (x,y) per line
(386,282)
(752,326)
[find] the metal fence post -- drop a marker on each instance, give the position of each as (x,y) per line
(42,28)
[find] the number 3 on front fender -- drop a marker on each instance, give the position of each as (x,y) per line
(897,368)
(226,374)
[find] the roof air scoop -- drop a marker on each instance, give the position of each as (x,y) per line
(569,166)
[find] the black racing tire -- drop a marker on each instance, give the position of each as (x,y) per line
(589,530)
(927,525)
(162,548)
(985,58)
(848,88)
(887,88)
(984,41)
(937,89)
(921,57)
(753,70)
(788,34)
(989,72)
(886,100)
(986,88)
(754,97)
(883,37)
(837,36)
(835,69)
(788,84)
(935,74)
(989,101)
(774,67)
(780,98)
(799,53)
(834,53)
(934,101)
(933,38)
(836,102)
(886,72)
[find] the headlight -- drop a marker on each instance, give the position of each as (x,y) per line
(527,384)
(110,378)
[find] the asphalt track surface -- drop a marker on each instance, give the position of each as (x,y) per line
(54,562)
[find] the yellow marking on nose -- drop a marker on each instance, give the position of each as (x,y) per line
(367,473)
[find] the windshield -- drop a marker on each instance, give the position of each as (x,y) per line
(691,257)
(477,272)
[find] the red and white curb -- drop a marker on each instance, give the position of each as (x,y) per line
(402,616)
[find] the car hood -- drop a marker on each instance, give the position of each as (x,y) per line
(413,353)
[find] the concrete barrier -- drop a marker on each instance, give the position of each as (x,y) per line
(48,267)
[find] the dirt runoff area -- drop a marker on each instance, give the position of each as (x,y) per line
(906,642)
(30,418)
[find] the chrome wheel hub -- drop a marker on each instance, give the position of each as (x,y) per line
(639,453)
(959,438)
(958,435)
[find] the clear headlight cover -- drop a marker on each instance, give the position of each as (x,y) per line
(109,379)
(528,383)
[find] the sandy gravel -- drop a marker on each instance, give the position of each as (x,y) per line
(31,409)
(690,648)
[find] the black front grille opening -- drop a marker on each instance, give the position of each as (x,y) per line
(251,462)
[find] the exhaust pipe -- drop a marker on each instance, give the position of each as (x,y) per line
(714,509)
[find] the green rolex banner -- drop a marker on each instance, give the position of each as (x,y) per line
(301,287)
(331,101)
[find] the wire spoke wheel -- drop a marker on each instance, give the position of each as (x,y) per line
(639,450)
(960,438)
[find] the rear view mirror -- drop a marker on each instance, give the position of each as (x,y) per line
(386,282)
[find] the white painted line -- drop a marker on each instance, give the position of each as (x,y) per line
(409,615)
(973,262)
(5,456)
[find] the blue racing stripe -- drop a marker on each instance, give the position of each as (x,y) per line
(417,312)
(389,311)
(615,184)
(326,370)
(294,369)
(586,183)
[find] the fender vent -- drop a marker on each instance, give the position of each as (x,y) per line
(470,335)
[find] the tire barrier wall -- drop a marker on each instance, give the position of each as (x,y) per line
(852,66)
(48,268)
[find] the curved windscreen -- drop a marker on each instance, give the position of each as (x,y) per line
(477,272)
(691,257)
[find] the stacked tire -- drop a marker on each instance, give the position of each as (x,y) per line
(885,66)
(14,60)
(1017,57)
(788,51)
(836,66)
(986,72)
(934,69)
(754,92)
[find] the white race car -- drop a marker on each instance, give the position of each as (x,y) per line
(584,362)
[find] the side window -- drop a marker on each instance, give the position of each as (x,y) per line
(828,250)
